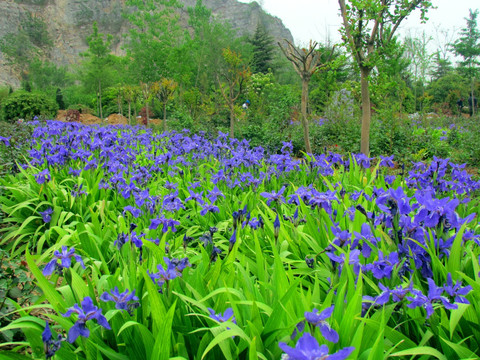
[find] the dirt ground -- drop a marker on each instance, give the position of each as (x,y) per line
(113,119)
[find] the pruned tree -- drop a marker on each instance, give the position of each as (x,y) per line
(231,80)
(305,62)
(164,90)
(369,26)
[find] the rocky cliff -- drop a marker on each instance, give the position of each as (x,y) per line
(69,22)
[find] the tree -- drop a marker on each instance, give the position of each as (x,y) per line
(164,90)
(368,26)
(417,52)
(263,48)
(154,36)
(146,90)
(442,66)
(468,47)
(131,94)
(99,66)
(233,77)
(305,62)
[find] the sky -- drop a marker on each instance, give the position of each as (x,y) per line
(319,20)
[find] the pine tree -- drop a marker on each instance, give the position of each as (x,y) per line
(468,47)
(263,47)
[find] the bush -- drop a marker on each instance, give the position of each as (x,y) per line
(25,105)
(18,136)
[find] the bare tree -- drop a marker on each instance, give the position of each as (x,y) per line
(305,62)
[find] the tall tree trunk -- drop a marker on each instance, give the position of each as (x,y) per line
(164,116)
(100,98)
(366,112)
(232,119)
(129,113)
(472,85)
(306,135)
(147,114)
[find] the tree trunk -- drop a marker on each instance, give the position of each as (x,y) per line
(164,116)
(306,135)
(100,99)
(147,114)
(232,119)
(472,85)
(366,113)
(129,113)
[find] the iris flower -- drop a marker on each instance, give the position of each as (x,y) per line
(88,311)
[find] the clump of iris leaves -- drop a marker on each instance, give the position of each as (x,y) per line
(193,246)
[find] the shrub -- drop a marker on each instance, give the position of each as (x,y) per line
(18,136)
(25,105)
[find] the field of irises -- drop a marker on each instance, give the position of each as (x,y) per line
(182,246)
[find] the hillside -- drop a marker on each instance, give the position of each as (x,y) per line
(67,23)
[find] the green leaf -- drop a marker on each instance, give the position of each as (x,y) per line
(421,350)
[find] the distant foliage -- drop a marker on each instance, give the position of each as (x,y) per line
(25,105)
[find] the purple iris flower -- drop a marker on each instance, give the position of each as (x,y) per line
(88,311)
(457,291)
(394,201)
(206,208)
(165,274)
(133,210)
(433,211)
(214,194)
(322,200)
(276,227)
(167,223)
(197,197)
(318,319)
(121,299)
(227,315)
(5,140)
(384,266)
(233,240)
(274,196)
(43,176)
(46,215)
(387,161)
(307,348)
(65,258)
(50,346)
(434,296)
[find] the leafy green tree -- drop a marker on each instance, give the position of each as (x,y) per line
(201,54)
(330,78)
(164,91)
(47,76)
(154,36)
(441,67)
(263,49)
(99,66)
(420,60)
(468,47)
(131,94)
(368,26)
(231,79)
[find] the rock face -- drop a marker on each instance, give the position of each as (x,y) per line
(69,22)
